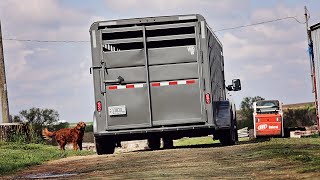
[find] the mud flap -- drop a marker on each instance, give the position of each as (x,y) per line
(224,115)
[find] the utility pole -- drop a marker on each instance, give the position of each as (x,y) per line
(3,85)
(309,41)
(313,69)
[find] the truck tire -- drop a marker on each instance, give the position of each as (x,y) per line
(104,146)
(236,129)
(167,143)
(227,137)
(154,143)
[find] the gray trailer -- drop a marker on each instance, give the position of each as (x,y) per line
(159,78)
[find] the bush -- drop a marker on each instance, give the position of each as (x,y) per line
(305,116)
(89,128)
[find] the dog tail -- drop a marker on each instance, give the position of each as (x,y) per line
(47,134)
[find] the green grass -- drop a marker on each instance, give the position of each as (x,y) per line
(194,141)
(304,150)
(14,156)
(199,141)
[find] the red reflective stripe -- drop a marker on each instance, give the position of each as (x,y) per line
(173,83)
(112,87)
(191,81)
(156,84)
(129,86)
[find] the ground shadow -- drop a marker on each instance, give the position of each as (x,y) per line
(211,145)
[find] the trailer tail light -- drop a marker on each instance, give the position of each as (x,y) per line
(257,119)
(208,98)
(99,106)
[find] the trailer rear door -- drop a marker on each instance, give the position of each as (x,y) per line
(160,72)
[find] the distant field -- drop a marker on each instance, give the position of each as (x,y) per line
(298,105)
(74,124)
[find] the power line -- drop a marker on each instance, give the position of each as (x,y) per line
(45,41)
(258,23)
(83,41)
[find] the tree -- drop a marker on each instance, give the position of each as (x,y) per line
(247,110)
(38,118)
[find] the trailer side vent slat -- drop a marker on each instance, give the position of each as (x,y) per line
(174,33)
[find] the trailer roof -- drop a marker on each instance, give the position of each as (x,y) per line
(314,27)
(147,20)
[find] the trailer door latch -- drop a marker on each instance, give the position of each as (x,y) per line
(94,67)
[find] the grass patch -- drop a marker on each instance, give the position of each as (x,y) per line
(15,156)
(195,141)
(199,141)
(304,150)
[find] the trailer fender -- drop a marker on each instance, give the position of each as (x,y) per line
(224,115)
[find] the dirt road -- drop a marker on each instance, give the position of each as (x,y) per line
(196,162)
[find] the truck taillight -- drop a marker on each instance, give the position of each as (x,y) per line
(208,98)
(278,119)
(99,106)
(257,119)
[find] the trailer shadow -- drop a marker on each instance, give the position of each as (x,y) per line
(211,145)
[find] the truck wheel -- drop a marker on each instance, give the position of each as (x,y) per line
(104,146)
(236,129)
(167,143)
(228,137)
(154,143)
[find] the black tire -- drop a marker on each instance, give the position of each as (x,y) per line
(154,143)
(167,143)
(228,137)
(104,146)
(236,128)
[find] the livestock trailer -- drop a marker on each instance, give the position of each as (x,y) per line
(159,78)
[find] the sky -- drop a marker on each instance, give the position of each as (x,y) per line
(271,59)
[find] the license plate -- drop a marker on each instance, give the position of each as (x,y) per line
(117,110)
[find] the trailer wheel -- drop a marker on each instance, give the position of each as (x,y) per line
(236,129)
(228,137)
(104,146)
(167,143)
(154,143)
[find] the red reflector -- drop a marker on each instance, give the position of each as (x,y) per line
(191,81)
(208,98)
(112,87)
(155,84)
(129,86)
(99,106)
(173,83)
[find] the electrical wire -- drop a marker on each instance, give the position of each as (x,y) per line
(44,41)
(259,23)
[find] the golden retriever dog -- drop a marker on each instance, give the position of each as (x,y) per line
(67,135)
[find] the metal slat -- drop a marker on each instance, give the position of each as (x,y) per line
(127,29)
(163,38)
(168,26)
(118,41)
